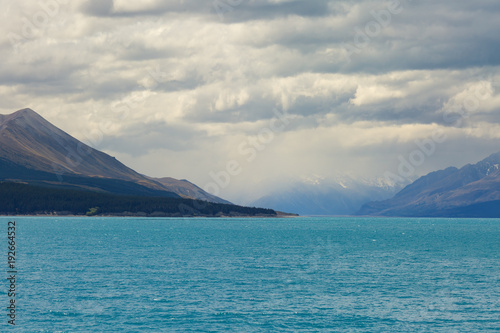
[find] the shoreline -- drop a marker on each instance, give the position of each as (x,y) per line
(282,215)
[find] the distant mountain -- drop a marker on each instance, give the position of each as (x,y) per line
(471,191)
(34,151)
(187,189)
(319,196)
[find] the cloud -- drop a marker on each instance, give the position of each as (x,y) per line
(187,80)
(142,138)
(97,7)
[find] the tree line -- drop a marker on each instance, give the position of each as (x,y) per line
(24,199)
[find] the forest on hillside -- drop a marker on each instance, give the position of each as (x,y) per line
(23,199)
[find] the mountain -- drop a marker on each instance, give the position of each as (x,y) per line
(471,191)
(29,140)
(315,195)
(34,151)
(187,189)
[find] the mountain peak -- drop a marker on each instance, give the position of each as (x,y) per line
(22,113)
(31,146)
(471,191)
(25,111)
(493,158)
(26,114)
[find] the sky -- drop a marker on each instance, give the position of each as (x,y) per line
(239,95)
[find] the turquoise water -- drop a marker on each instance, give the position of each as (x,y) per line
(256,275)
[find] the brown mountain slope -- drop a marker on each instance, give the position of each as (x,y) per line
(471,191)
(187,189)
(33,143)
(29,140)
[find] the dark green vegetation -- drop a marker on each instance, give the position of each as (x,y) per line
(44,170)
(24,199)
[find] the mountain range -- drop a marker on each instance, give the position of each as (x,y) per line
(35,151)
(471,191)
(34,154)
(37,154)
(317,195)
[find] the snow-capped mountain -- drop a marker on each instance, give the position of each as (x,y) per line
(320,195)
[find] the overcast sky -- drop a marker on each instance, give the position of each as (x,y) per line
(284,88)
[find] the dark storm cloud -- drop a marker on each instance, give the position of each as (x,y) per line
(113,8)
(163,74)
(432,35)
(97,7)
(228,11)
(262,10)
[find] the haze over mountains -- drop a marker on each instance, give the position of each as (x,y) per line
(35,151)
(316,195)
(471,191)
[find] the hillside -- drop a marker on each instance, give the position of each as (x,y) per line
(186,189)
(23,199)
(471,191)
(35,151)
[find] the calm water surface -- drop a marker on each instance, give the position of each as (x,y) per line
(256,275)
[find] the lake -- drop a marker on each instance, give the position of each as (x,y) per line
(302,274)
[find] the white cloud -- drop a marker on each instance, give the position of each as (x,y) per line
(199,85)
(366,95)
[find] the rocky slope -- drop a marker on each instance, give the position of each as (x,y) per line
(471,191)
(35,151)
